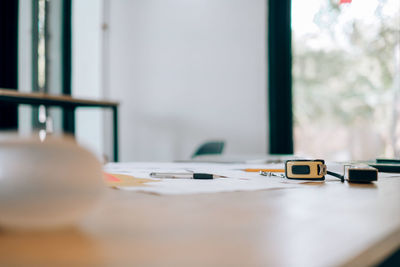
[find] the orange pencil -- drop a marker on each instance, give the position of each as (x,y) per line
(264,170)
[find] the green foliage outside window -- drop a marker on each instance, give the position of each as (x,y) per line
(346,74)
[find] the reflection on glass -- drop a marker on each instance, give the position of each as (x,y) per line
(346,78)
(41,59)
(42,45)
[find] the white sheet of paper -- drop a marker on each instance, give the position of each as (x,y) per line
(238,180)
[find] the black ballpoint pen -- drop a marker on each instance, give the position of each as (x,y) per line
(185,175)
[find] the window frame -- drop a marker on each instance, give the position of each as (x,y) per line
(280,77)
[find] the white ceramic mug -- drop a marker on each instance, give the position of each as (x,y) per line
(48,184)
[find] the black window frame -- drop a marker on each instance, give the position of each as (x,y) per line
(9,61)
(280,77)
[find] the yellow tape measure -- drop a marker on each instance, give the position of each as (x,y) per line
(305,169)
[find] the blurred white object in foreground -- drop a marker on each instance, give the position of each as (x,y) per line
(46,184)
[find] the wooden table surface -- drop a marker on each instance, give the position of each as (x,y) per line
(315,224)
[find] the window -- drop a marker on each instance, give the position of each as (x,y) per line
(346,78)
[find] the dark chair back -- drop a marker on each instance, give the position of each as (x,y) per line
(210,148)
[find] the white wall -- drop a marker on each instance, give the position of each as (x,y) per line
(87,71)
(188,71)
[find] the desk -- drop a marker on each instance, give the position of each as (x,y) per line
(318,224)
(67,103)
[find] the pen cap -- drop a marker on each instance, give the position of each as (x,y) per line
(46,184)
